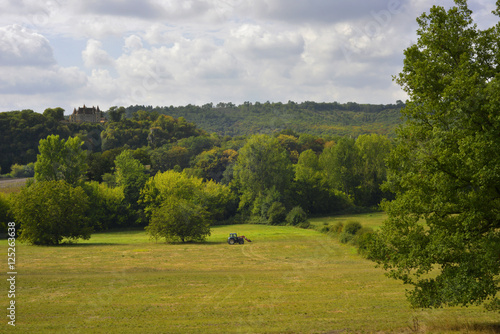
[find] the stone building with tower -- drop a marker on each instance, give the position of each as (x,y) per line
(87,114)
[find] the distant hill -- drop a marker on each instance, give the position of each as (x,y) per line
(323,119)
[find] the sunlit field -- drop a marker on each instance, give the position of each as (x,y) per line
(373,220)
(288,280)
(8,186)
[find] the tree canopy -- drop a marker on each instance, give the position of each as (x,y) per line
(60,159)
(49,211)
(262,164)
(443,231)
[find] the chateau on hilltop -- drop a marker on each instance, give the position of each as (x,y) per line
(84,114)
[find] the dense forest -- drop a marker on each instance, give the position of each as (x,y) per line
(307,117)
(21,131)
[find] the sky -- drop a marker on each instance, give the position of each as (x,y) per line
(67,53)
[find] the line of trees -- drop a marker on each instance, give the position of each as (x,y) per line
(138,126)
(211,180)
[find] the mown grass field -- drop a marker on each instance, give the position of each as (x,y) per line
(287,280)
(8,186)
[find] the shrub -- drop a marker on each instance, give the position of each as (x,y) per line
(337,228)
(179,220)
(107,207)
(362,239)
(22,170)
(50,211)
(304,225)
(276,213)
(5,215)
(296,216)
(325,229)
(352,227)
(345,237)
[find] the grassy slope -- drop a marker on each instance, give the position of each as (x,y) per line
(287,280)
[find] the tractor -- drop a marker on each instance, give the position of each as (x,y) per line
(234,239)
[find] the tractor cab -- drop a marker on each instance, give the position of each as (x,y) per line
(234,239)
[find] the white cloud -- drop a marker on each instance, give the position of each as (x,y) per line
(132,42)
(95,56)
(164,52)
(129,8)
(255,41)
(20,46)
(27,80)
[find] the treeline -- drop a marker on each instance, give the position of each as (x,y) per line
(138,126)
(21,132)
(153,170)
(306,117)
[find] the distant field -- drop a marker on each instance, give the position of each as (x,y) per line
(373,220)
(287,280)
(8,186)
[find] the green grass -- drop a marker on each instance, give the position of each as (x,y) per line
(287,280)
(373,220)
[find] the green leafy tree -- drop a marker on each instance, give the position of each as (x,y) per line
(373,151)
(60,159)
(163,187)
(312,194)
(131,176)
(262,164)
(107,207)
(50,211)
(340,164)
(179,220)
(443,231)
(56,114)
(116,114)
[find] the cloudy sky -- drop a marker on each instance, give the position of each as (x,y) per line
(66,53)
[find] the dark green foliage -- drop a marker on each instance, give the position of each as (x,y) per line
(22,171)
(5,213)
(276,214)
(349,231)
(341,165)
(304,225)
(56,114)
(20,133)
(115,114)
(107,206)
(362,239)
(262,165)
(307,117)
(50,211)
(325,229)
(373,151)
(345,237)
(296,216)
(131,175)
(352,227)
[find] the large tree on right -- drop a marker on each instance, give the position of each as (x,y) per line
(443,231)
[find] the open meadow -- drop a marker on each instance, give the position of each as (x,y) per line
(288,280)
